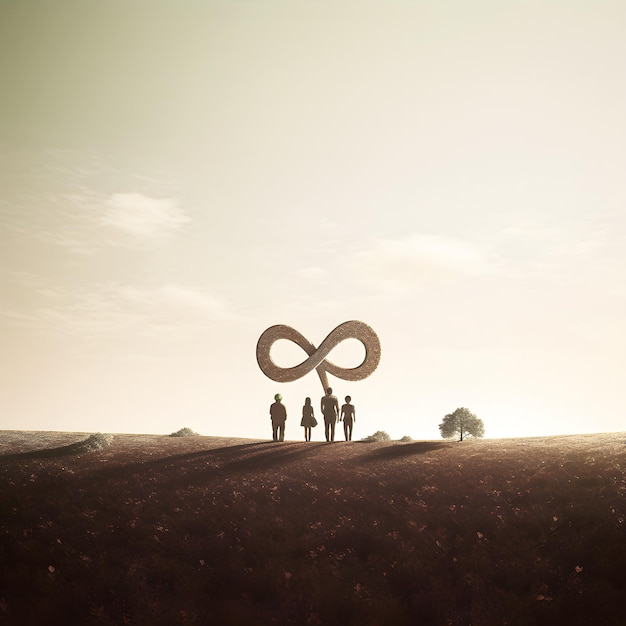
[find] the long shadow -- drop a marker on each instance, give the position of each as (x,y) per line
(389,453)
(47,453)
(208,466)
(266,459)
(223,461)
(213,464)
(82,447)
(178,460)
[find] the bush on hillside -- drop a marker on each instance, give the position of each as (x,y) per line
(98,441)
(184,432)
(379,435)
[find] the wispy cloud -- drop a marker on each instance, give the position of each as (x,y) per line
(60,200)
(85,221)
(195,299)
(398,264)
(142,216)
(311,273)
(433,251)
(112,308)
(552,252)
(526,251)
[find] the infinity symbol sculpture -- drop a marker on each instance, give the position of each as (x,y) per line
(317,356)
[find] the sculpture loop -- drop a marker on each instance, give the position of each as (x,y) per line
(317,356)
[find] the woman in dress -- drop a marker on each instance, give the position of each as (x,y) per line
(308,419)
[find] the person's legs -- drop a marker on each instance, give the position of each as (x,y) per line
(351,424)
(327,428)
(274,431)
(332,430)
(345,429)
(282,431)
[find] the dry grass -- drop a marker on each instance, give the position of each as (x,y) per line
(194,530)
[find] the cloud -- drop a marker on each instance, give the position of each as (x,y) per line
(112,308)
(311,273)
(142,216)
(399,263)
(85,221)
(434,251)
(58,200)
(560,252)
(194,299)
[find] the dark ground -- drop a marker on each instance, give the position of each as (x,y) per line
(199,530)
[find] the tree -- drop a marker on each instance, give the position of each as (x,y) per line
(461,422)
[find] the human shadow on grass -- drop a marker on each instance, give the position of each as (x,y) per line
(248,456)
(278,455)
(399,451)
(212,464)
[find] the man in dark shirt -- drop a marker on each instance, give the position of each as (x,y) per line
(330,411)
(278,415)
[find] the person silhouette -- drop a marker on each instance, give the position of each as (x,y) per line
(278,415)
(348,414)
(308,419)
(330,411)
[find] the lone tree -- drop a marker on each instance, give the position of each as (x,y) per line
(461,422)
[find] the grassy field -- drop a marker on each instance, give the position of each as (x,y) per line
(201,530)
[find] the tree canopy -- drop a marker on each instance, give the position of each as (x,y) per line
(461,422)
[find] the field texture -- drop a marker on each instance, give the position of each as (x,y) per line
(153,529)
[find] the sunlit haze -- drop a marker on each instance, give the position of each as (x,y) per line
(175,177)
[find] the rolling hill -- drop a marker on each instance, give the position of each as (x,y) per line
(152,529)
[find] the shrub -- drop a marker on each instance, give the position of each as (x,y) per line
(379,435)
(98,441)
(406,439)
(184,432)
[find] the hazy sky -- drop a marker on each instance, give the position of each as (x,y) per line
(175,177)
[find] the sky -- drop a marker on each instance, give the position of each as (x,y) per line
(176,177)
